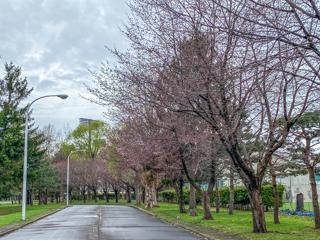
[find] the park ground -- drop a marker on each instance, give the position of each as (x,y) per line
(10,215)
(223,226)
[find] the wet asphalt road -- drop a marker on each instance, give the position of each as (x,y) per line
(98,223)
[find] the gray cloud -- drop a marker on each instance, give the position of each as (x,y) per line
(56,42)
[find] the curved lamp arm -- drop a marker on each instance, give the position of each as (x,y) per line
(62,96)
(25,157)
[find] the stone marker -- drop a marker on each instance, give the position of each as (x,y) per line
(299,203)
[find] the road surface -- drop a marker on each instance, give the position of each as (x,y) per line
(98,223)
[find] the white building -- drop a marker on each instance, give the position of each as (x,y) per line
(298,184)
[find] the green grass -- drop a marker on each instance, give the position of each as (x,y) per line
(11,214)
(292,206)
(240,224)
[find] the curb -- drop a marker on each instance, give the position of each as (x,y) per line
(13,227)
(198,233)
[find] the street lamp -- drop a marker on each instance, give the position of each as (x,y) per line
(68,170)
(25,159)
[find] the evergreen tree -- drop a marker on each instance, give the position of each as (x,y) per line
(13,90)
(41,176)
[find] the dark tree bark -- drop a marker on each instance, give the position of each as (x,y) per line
(258,218)
(95,195)
(231,193)
(139,195)
(217,199)
(40,197)
(106,195)
(83,192)
(179,191)
(138,189)
(192,202)
(252,183)
(57,197)
(45,197)
(128,195)
(116,194)
(315,201)
(29,197)
(276,198)
(205,195)
(206,206)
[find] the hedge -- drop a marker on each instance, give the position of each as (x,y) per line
(240,196)
(170,195)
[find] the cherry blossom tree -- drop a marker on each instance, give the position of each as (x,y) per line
(188,57)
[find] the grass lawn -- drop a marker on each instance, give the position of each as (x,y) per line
(11,214)
(292,206)
(240,224)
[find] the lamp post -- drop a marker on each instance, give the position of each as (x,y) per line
(68,172)
(25,159)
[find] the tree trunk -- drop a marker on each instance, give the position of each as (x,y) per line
(206,206)
(276,200)
(149,180)
(179,190)
(192,202)
(148,198)
(139,194)
(89,195)
(128,193)
(40,197)
(315,201)
(29,197)
(217,199)
(95,195)
(70,195)
(231,193)
(116,194)
(46,197)
(57,197)
(138,189)
(258,218)
(155,195)
(105,193)
(84,195)
(144,195)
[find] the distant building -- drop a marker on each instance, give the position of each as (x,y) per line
(298,184)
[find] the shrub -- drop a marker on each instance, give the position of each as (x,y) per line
(170,195)
(240,196)
(267,195)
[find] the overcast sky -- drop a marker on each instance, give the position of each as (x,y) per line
(56,42)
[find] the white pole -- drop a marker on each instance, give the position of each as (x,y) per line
(25,157)
(68,172)
(68,169)
(25,162)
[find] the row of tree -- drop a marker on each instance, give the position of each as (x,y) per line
(93,167)
(90,172)
(216,87)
